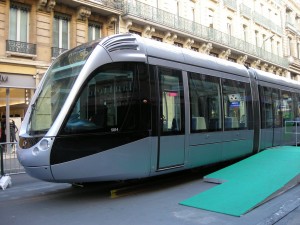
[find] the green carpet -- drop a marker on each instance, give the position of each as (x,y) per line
(249,182)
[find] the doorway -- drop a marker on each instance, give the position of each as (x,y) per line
(13,106)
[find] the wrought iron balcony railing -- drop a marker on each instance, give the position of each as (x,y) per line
(292,23)
(231,4)
(55,51)
(20,47)
(258,18)
(153,14)
(245,11)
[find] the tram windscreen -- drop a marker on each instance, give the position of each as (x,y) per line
(56,87)
(109,102)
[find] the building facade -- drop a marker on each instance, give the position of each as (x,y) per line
(263,34)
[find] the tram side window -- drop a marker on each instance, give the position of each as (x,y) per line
(205,103)
(287,108)
(297,107)
(172,101)
(278,122)
(109,102)
(236,104)
(266,107)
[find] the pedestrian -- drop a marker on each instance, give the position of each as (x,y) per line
(3,132)
(3,128)
(13,131)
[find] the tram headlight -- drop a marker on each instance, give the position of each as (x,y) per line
(35,151)
(44,145)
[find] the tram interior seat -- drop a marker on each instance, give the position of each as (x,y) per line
(214,124)
(231,122)
(235,122)
(100,118)
(297,121)
(198,123)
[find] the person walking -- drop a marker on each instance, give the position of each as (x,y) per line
(3,133)
(13,130)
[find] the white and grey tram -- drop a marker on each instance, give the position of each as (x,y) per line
(127,107)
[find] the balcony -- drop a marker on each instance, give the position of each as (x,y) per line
(55,51)
(138,10)
(231,4)
(246,47)
(292,24)
(260,19)
(19,48)
(246,11)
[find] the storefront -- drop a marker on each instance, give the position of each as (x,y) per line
(15,95)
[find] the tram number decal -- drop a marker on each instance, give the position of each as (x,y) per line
(114,129)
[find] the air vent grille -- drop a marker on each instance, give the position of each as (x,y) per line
(121,42)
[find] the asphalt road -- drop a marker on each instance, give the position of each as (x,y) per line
(32,202)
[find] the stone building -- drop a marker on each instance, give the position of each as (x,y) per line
(264,34)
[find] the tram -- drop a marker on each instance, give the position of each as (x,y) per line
(127,107)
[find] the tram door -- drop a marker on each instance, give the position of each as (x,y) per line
(278,119)
(271,127)
(171,119)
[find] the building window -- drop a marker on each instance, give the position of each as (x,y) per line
(256,38)
(193,14)
(135,32)
(178,44)
(272,45)
(211,18)
(264,41)
(298,20)
(261,9)
(276,18)
(94,31)
(278,48)
(61,31)
(195,49)
(289,46)
(229,26)
(270,13)
(245,33)
(157,38)
(19,22)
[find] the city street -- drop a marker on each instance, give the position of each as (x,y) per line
(155,201)
(121,89)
